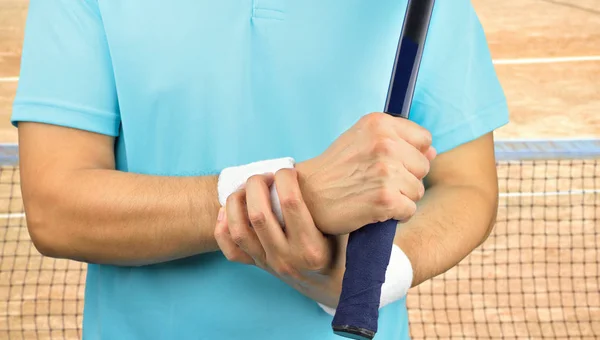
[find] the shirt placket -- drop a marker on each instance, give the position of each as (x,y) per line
(268,9)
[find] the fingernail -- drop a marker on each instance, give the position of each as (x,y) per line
(221,214)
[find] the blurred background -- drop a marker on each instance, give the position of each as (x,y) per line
(538,275)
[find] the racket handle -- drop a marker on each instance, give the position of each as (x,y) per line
(369,248)
(367,257)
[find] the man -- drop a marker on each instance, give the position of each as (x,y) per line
(128,112)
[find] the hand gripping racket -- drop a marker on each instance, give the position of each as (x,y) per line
(369,248)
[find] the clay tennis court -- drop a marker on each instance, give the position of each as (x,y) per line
(538,275)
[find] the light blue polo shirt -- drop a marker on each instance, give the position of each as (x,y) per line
(189,87)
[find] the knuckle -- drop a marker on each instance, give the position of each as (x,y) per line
(291,203)
(236,197)
(408,210)
(420,168)
(233,256)
(364,121)
(257,218)
(383,146)
(238,237)
(285,173)
(284,269)
(314,259)
(385,199)
(375,120)
(382,215)
(381,170)
(387,204)
(229,256)
(370,117)
(254,180)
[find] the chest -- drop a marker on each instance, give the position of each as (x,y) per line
(206,39)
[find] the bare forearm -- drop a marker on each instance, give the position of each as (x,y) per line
(112,217)
(450,223)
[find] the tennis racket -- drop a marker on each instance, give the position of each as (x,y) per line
(369,248)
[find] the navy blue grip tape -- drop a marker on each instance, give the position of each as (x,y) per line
(369,248)
(368,254)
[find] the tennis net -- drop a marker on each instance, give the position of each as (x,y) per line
(536,277)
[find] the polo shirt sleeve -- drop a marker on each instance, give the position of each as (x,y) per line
(66,74)
(458,97)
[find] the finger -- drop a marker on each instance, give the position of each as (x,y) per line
(413,160)
(410,186)
(411,132)
(431,153)
(391,204)
(261,217)
(231,250)
(239,227)
(400,154)
(404,209)
(298,220)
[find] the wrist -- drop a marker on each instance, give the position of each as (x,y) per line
(305,171)
(206,235)
(398,280)
(234,178)
(325,290)
(331,299)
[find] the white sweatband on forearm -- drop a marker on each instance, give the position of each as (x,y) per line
(398,280)
(233,178)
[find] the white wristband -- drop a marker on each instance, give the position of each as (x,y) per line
(398,280)
(231,179)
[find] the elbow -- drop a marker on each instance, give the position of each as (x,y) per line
(48,238)
(493,201)
(490,226)
(44,237)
